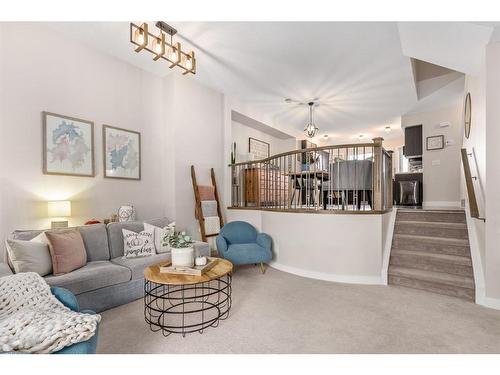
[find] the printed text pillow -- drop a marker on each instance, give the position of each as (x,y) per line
(138,244)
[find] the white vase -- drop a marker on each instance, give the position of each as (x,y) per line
(182,257)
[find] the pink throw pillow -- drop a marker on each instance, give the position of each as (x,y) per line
(67,250)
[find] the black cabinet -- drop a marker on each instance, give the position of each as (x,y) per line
(413,141)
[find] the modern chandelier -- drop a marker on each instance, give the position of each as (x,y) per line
(160,47)
(311,128)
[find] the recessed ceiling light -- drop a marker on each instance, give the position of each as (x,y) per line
(325,136)
(388,129)
(288,100)
(361,136)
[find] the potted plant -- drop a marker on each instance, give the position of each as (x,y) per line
(181,246)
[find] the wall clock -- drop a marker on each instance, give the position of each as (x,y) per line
(467,115)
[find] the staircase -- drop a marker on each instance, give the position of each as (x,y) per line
(430,251)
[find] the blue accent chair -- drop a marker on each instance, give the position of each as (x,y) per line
(68,299)
(240,243)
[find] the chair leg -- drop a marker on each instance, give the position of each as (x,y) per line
(262,268)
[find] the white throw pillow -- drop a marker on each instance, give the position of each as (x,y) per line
(161,236)
(30,256)
(138,244)
(41,238)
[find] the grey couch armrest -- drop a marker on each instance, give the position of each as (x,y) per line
(5,270)
(201,249)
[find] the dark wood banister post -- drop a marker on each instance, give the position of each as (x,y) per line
(377,174)
(389,184)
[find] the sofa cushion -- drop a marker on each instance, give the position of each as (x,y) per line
(95,238)
(247,253)
(115,235)
(137,265)
(161,236)
(29,256)
(137,245)
(67,250)
(92,276)
(25,235)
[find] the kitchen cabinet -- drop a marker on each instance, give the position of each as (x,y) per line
(413,141)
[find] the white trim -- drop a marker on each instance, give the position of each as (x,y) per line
(493,303)
(388,246)
(349,279)
(441,204)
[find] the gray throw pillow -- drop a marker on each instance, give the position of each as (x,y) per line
(29,256)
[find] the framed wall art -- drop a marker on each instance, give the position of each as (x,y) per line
(435,142)
(122,153)
(68,145)
(259,149)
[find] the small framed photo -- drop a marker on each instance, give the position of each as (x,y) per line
(259,149)
(122,153)
(435,142)
(68,145)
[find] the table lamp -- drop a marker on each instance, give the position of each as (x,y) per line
(57,210)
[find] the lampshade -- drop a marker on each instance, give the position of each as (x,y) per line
(59,209)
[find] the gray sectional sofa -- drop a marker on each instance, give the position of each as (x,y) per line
(107,280)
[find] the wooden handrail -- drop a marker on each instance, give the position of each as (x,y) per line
(292,181)
(303,151)
(474,210)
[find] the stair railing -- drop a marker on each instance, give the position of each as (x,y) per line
(328,179)
(469,182)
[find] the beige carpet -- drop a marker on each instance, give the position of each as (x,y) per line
(282,313)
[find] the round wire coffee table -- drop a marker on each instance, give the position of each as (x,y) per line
(184,303)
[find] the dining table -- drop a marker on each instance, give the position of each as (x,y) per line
(317,177)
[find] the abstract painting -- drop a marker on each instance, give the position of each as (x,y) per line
(68,145)
(122,153)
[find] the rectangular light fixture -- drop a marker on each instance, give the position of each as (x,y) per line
(160,48)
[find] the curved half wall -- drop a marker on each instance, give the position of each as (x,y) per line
(342,248)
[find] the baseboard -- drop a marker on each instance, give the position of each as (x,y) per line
(493,303)
(348,279)
(388,246)
(441,204)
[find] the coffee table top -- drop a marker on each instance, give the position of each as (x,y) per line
(152,273)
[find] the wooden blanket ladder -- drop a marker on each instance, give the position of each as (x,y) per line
(205,193)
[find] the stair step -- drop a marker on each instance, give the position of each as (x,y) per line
(456,265)
(432,216)
(433,277)
(429,286)
(434,245)
(440,230)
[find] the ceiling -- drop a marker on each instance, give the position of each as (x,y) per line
(361,72)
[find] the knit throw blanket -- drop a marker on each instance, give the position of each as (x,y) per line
(32,320)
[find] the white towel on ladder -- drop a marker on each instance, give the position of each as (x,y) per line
(212,225)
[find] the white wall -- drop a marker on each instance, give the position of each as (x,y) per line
(441,182)
(319,246)
(59,75)
(240,134)
(197,121)
(476,144)
(180,123)
(492,256)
